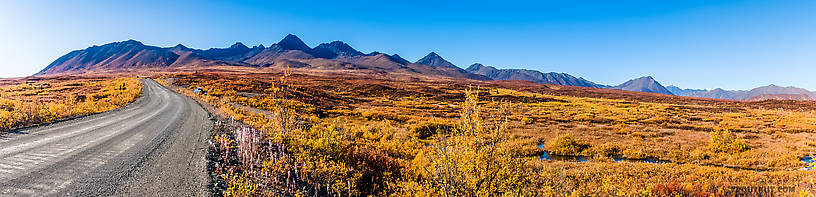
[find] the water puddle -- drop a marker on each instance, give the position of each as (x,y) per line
(572,158)
(567,158)
(809,161)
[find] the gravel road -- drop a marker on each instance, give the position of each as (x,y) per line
(152,147)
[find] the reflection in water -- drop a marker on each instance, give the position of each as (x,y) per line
(809,160)
(567,158)
(647,160)
(572,158)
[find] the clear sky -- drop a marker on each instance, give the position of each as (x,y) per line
(692,44)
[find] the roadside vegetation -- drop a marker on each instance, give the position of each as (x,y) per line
(305,135)
(28,102)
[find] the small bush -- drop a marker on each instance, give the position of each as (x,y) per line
(565,145)
(425,130)
(723,141)
(527,120)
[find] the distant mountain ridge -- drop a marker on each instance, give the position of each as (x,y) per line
(795,97)
(643,84)
(530,75)
(764,92)
(291,51)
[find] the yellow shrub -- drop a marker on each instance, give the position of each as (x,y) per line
(565,145)
(723,141)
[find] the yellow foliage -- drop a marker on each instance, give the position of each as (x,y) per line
(723,141)
(103,96)
(565,145)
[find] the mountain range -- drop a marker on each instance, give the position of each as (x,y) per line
(292,52)
(759,93)
(643,84)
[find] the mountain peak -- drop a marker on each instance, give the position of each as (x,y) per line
(649,78)
(476,66)
(398,59)
(643,84)
(132,42)
(433,59)
(180,46)
(238,45)
(433,54)
(292,42)
(335,48)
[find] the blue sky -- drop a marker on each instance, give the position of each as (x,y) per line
(692,44)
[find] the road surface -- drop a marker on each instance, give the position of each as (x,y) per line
(152,147)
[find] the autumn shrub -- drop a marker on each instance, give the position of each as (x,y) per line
(723,141)
(472,160)
(425,130)
(565,145)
